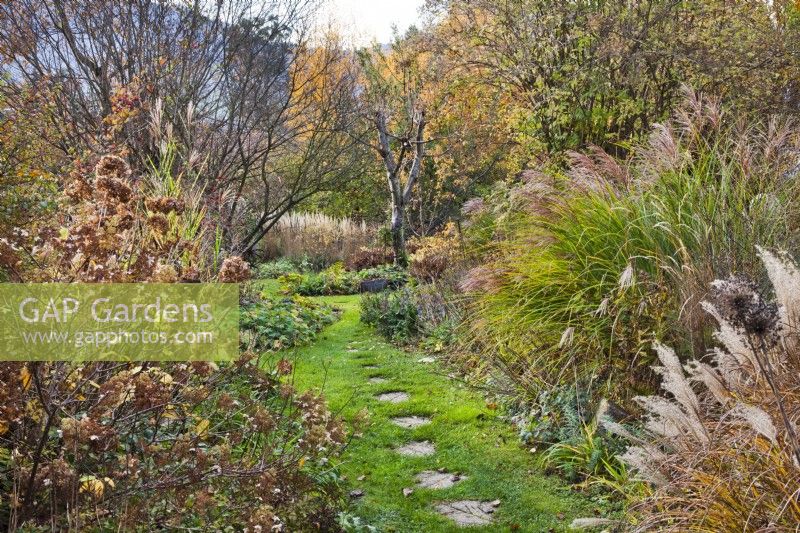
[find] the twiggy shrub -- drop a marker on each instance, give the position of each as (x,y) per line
(724,453)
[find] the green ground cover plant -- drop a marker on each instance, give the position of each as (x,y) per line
(337,280)
(277,268)
(278,322)
(333,280)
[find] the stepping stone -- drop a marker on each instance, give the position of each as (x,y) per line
(417,449)
(370,367)
(410,422)
(426,360)
(430,479)
(468,512)
(377,379)
(393,397)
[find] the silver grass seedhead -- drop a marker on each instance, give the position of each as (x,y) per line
(785,278)
(713,381)
(673,379)
(728,368)
(567,337)
(615,428)
(644,463)
(627,278)
(661,154)
(733,341)
(668,419)
(758,419)
(190,113)
(602,309)
(473,206)
(156,119)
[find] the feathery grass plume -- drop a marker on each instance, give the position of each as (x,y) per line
(785,278)
(732,465)
(473,206)
(596,169)
(480,278)
(674,381)
(626,279)
(320,239)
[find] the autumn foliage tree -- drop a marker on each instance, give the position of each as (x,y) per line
(579,73)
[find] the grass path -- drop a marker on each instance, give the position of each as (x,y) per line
(468,437)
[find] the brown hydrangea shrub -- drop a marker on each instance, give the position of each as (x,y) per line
(136,444)
(370,258)
(152,445)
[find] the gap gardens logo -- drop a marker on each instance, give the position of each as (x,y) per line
(119,322)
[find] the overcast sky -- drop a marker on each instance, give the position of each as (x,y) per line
(365,20)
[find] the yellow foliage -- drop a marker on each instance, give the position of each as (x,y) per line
(433,255)
(25,377)
(201,429)
(92,485)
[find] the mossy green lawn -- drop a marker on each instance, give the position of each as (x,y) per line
(469,437)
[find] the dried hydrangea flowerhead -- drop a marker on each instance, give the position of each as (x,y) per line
(164,273)
(112,166)
(159,223)
(165,205)
(77,186)
(737,300)
(111,181)
(234,270)
(190,275)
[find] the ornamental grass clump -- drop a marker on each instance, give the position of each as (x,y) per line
(723,452)
(596,264)
(317,239)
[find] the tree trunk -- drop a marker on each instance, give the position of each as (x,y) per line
(399,235)
(400,194)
